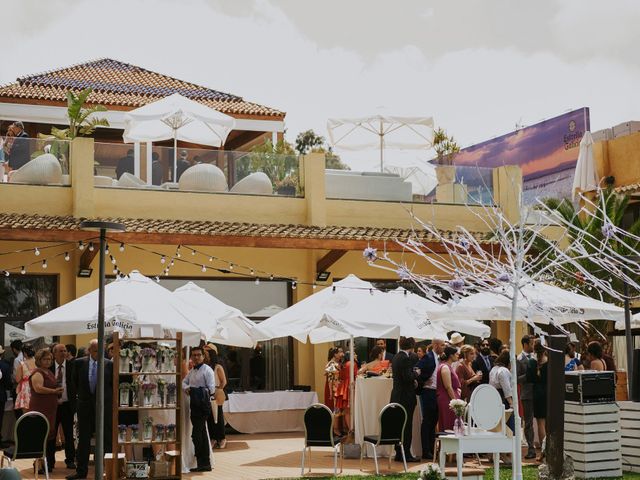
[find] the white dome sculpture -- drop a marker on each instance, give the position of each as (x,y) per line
(103,181)
(131,181)
(257,183)
(43,170)
(203,177)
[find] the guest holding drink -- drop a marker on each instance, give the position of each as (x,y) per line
(332,376)
(377,364)
(468,378)
(343,399)
(448,388)
(44,395)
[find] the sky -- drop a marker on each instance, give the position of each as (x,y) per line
(478,67)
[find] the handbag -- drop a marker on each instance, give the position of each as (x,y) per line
(219,396)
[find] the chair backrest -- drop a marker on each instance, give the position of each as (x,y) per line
(486,410)
(30,435)
(318,424)
(393,420)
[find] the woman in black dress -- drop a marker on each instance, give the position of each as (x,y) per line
(537,374)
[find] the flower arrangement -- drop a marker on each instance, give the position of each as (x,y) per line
(148,359)
(162,387)
(147,432)
(432,472)
(171,431)
(172,388)
(160,427)
(122,433)
(135,436)
(126,356)
(124,389)
(136,357)
(148,352)
(458,406)
(147,392)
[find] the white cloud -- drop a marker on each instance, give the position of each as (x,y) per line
(478,70)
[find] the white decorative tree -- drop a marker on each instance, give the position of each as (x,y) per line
(539,246)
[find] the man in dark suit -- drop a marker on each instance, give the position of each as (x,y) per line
(6,384)
(427,376)
(483,361)
(382,343)
(62,370)
(85,380)
(404,391)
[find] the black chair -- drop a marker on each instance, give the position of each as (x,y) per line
(30,441)
(391,423)
(318,432)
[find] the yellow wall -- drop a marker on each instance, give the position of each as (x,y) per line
(619,157)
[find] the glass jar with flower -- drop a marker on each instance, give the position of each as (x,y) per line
(135,432)
(160,428)
(167,363)
(162,390)
(136,358)
(171,432)
(147,394)
(171,394)
(124,389)
(459,407)
(122,433)
(148,360)
(125,360)
(147,429)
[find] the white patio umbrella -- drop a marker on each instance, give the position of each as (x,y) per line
(130,304)
(635,323)
(178,118)
(423,311)
(540,302)
(266,312)
(585,179)
(225,324)
(381,131)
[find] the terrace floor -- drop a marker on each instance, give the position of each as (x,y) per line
(261,456)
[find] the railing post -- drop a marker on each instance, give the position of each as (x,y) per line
(312,166)
(81,165)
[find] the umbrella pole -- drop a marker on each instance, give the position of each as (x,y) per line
(352,385)
(175,155)
(381,148)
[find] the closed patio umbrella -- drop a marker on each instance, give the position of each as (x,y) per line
(585,179)
(178,118)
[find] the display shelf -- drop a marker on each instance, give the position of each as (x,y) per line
(117,376)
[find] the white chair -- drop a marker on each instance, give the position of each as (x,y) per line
(203,177)
(129,180)
(43,170)
(257,183)
(487,431)
(103,181)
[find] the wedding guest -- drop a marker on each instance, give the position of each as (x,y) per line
(16,146)
(343,399)
(483,361)
(44,398)
(332,379)
(61,369)
(608,359)
(125,165)
(526,393)
(215,423)
(23,390)
(537,374)
(571,361)
(16,349)
(382,343)
(496,346)
(448,387)
(404,391)
(469,378)
(376,364)
(428,376)
(6,385)
(199,385)
(72,352)
(420,352)
(596,362)
(500,379)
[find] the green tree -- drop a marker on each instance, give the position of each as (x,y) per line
(279,162)
(445,146)
(307,141)
(82,120)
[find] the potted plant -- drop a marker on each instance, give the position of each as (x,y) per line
(446,149)
(432,472)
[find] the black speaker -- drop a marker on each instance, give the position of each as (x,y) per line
(635,381)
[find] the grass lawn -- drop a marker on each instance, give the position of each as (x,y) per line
(529,473)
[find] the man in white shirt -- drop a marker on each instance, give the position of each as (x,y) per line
(199,378)
(61,368)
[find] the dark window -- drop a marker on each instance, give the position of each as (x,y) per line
(22,298)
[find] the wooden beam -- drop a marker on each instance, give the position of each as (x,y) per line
(41,235)
(88,256)
(241,139)
(329,259)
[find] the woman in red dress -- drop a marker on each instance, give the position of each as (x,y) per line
(44,397)
(343,403)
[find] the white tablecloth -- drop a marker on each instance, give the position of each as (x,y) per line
(255,412)
(372,394)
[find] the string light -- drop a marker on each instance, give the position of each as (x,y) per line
(106,249)
(163,259)
(66,256)
(211,259)
(204,269)
(178,252)
(257,282)
(113,260)
(115,271)
(36,252)
(80,245)
(44,263)
(91,246)
(172,263)
(253,272)
(122,247)
(314,286)
(23,270)
(231,266)
(294,285)
(271,277)
(6,273)
(193,253)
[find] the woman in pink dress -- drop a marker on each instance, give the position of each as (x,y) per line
(448,388)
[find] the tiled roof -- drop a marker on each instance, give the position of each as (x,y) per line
(120,84)
(12,221)
(628,189)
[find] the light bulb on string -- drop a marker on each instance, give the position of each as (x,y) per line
(80,245)
(121,247)
(204,269)
(6,273)
(113,260)
(106,249)
(193,252)
(172,263)
(44,263)
(66,256)
(36,252)
(257,282)
(163,259)
(178,255)
(253,272)
(294,285)
(211,259)
(271,277)
(231,266)
(22,270)
(115,271)
(91,246)
(314,286)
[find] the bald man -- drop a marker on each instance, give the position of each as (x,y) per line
(85,380)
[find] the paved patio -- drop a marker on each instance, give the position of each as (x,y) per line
(252,457)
